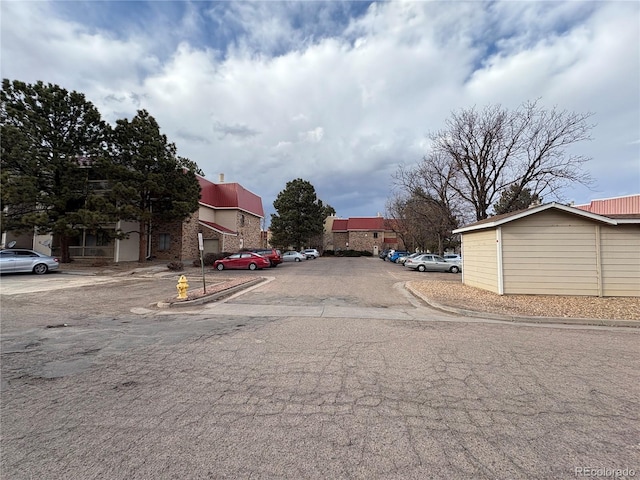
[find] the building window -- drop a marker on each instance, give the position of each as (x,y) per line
(242,220)
(164,241)
(375,234)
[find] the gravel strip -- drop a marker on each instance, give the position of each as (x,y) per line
(455,294)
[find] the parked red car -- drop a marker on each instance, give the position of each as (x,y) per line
(242,260)
(271,254)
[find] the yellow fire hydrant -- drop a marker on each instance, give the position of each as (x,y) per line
(182,287)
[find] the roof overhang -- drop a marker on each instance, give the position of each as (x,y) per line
(485,224)
(240,209)
(217,228)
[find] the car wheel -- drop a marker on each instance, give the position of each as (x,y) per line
(40,269)
(421,268)
(252,266)
(454,269)
(297,259)
(220,267)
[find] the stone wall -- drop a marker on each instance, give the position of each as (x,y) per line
(183,244)
(364,241)
(248,228)
(340,240)
(190,230)
(361,241)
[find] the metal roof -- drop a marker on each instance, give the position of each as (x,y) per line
(627,205)
(218,228)
(229,196)
(366,224)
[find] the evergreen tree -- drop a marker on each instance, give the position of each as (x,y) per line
(148,183)
(514,199)
(300,216)
(47,135)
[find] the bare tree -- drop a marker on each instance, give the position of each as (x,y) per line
(481,153)
(427,204)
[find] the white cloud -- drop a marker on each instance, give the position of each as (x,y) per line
(302,91)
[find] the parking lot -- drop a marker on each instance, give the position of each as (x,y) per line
(329,369)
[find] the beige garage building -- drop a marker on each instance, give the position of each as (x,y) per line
(553,249)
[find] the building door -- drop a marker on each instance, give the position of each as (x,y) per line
(375,250)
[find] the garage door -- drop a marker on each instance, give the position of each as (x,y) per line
(211,245)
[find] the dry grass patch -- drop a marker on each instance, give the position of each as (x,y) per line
(455,294)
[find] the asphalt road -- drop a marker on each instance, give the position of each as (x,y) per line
(328,370)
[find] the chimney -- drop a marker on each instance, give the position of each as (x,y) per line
(221,178)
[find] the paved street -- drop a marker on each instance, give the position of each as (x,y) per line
(330,369)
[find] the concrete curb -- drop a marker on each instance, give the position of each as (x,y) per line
(212,297)
(602,322)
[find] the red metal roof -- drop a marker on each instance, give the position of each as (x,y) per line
(360,223)
(628,205)
(217,227)
(366,223)
(229,196)
(340,225)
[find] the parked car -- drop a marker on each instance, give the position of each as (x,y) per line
(402,260)
(383,254)
(452,257)
(432,263)
(13,260)
(271,254)
(242,260)
(293,256)
(311,253)
(397,254)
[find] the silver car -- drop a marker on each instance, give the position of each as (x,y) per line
(293,256)
(433,263)
(15,260)
(311,253)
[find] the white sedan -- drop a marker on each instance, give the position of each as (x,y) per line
(14,260)
(433,263)
(293,256)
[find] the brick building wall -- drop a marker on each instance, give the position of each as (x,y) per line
(340,240)
(362,241)
(190,229)
(366,241)
(166,241)
(179,241)
(248,228)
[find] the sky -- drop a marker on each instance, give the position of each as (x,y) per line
(338,93)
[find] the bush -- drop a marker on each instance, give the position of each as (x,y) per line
(328,253)
(176,266)
(209,258)
(352,253)
(347,253)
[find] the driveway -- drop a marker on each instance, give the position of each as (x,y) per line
(328,370)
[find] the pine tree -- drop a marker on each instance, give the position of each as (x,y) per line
(148,183)
(300,215)
(47,135)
